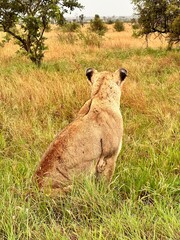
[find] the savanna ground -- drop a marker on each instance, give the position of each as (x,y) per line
(142,201)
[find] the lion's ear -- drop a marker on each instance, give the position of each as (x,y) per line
(89,73)
(122,73)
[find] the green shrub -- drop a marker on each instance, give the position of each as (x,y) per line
(90,38)
(71,27)
(135,26)
(110,21)
(98,26)
(136,33)
(118,26)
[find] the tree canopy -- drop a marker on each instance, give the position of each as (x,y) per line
(27,20)
(159,16)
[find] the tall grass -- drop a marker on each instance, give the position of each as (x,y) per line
(142,201)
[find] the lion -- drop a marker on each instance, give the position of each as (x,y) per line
(92,142)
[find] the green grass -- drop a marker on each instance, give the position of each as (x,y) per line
(142,201)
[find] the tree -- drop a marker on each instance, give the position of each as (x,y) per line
(97,25)
(27,20)
(159,16)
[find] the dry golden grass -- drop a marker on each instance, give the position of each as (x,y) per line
(112,40)
(125,40)
(133,96)
(35,89)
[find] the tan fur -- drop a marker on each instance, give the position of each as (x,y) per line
(91,142)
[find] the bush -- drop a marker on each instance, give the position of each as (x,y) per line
(90,39)
(98,26)
(71,27)
(118,26)
(110,21)
(135,26)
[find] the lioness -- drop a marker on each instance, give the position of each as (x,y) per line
(92,141)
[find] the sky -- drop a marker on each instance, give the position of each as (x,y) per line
(104,8)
